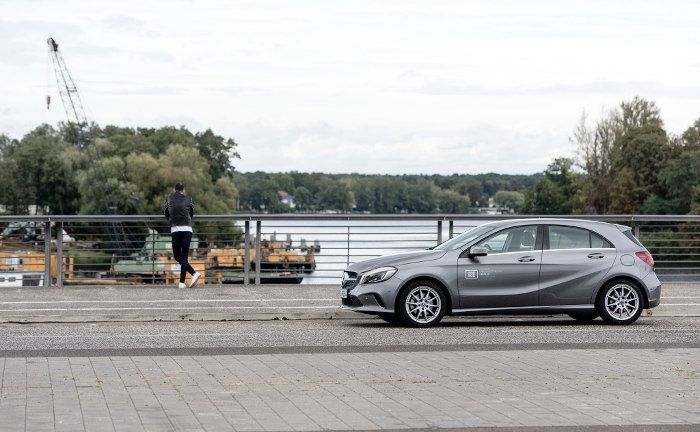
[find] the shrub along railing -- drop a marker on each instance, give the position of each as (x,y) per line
(267,248)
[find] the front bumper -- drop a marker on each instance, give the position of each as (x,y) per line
(373,298)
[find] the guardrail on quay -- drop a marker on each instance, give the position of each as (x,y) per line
(269,248)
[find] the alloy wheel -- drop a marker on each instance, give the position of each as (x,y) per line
(423,304)
(621,302)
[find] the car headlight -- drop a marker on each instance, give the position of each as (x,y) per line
(378,275)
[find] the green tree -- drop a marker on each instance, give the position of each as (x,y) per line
(622,157)
(449,201)
(334,195)
(15,194)
(218,151)
(510,199)
(471,188)
(421,197)
(625,193)
(654,204)
(644,152)
(695,200)
(40,169)
(556,192)
(544,198)
(303,198)
(164,137)
(595,148)
(678,179)
(691,136)
(363,192)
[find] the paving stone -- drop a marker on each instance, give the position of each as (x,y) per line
(351,390)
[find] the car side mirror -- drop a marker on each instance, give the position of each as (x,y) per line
(477,251)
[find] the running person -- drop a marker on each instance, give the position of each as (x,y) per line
(179,209)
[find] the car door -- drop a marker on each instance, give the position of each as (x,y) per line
(574,262)
(508,276)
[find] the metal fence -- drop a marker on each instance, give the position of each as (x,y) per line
(263,248)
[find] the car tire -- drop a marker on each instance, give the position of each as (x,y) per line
(421,304)
(584,316)
(390,318)
(620,302)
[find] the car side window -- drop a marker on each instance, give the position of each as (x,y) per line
(517,239)
(563,237)
(599,242)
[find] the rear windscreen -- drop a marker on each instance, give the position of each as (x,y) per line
(631,236)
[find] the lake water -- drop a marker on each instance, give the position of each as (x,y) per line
(346,242)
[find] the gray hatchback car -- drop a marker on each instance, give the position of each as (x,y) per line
(581,268)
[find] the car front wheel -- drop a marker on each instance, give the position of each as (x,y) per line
(421,304)
(620,302)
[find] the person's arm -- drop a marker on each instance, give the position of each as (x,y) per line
(167,210)
(191,208)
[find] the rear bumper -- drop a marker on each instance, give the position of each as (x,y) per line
(652,286)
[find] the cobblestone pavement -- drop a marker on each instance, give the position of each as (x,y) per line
(344,391)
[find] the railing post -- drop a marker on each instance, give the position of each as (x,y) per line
(348,254)
(452,228)
(246,254)
(153,258)
(258,229)
(47,254)
(59,254)
(439,232)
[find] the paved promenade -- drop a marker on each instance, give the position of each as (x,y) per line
(115,369)
(359,391)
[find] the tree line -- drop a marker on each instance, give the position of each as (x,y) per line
(115,170)
(121,170)
(626,162)
(457,193)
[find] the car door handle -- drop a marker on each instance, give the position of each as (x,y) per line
(596,256)
(526,259)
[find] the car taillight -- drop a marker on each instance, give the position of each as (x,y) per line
(646,257)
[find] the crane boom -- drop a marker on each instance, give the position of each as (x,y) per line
(73,106)
(66,87)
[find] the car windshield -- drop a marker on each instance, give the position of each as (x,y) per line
(464,238)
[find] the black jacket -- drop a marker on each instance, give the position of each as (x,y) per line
(179,209)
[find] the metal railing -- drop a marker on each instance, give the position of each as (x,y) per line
(268,248)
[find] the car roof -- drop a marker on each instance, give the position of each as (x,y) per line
(564,221)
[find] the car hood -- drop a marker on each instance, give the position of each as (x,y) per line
(396,260)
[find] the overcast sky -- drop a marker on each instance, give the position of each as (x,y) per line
(373,86)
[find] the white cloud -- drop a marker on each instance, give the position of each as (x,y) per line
(358,86)
(325,148)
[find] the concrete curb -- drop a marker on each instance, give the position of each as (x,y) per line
(175,317)
(266,316)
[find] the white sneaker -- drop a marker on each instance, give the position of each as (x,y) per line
(195,278)
(181,285)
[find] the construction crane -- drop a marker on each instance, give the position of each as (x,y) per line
(66,87)
(73,106)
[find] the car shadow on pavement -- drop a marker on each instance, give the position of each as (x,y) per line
(503,322)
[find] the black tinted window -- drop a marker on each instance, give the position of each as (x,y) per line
(599,242)
(515,239)
(562,237)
